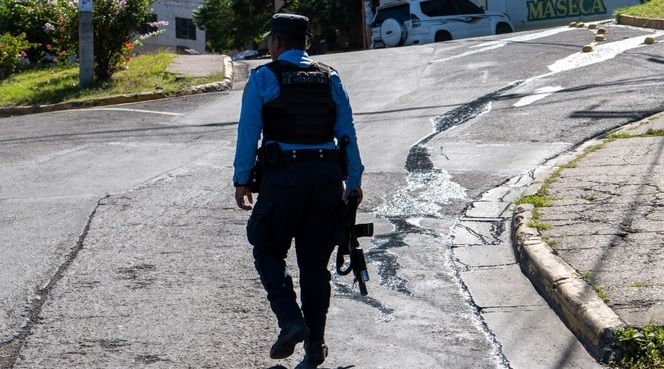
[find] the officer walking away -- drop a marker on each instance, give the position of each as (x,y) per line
(301,107)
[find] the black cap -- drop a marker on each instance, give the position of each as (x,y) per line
(293,24)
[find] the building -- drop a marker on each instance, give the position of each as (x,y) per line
(180,34)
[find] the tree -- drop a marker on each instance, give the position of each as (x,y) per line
(230,24)
(336,21)
(241,23)
(216,18)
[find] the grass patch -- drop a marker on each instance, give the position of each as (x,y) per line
(550,241)
(640,348)
(648,133)
(536,200)
(586,276)
(145,73)
(601,293)
(646,285)
(589,197)
(649,9)
(540,226)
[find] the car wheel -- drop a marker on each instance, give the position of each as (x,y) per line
(442,36)
(393,32)
(503,28)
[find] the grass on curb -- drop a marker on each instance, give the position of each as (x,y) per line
(640,348)
(535,222)
(47,85)
(648,133)
(542,197)
(601,293)
(649,9)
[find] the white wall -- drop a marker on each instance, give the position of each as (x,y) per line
(168,10)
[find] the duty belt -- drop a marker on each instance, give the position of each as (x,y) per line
(309,155)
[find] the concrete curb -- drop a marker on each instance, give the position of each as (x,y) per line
(640,22)
(224,85)
(576,303)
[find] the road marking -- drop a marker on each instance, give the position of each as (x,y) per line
(539,94)
(137,111)
(603,52)
(492,45)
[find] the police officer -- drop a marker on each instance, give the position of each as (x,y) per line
(301,107)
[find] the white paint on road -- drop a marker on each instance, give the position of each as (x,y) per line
(539,94)
(492,45)
(423,196)
(602,52)
(135,111)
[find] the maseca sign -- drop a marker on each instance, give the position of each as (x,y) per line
(527,14)
(549,9)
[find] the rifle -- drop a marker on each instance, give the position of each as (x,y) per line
(351,245)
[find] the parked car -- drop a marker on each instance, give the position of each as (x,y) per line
(425,21)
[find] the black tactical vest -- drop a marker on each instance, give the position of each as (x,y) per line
(304,112)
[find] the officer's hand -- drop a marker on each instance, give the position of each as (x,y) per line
(242,192)
(347,192)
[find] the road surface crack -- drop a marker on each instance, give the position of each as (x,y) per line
(9,351)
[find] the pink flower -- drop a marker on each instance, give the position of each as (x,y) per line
(48,27)
(23,54)
(49,47)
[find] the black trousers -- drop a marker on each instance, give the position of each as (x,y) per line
(301,201)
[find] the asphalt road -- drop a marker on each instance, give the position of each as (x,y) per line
(122,246)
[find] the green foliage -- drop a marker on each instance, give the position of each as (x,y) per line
(601,293)
(10,52)
(586,276)
(537,224)
(216,18)
(536,200)
(640,348)
(589,197)
(648,133)
(647,9)
(50,25)
(230,24)
(114,23)
(52,84)
(336,21)
(236,24)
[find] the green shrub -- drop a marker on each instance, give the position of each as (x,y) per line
(10,52)
(640,348)
(50,25)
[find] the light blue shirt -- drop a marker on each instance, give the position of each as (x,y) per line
(263,87)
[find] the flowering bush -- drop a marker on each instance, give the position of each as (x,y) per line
(11,51)
(115,23)
(51,25)
(52,28)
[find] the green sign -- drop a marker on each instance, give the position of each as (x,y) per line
(551,9)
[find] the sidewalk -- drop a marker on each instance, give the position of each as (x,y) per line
(597,254)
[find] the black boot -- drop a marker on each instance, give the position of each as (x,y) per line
(315,352)
(292,334)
